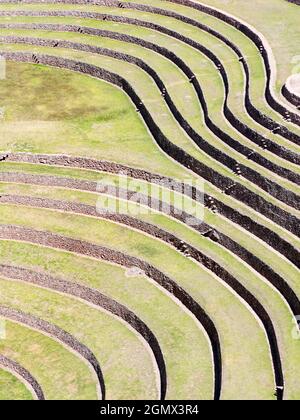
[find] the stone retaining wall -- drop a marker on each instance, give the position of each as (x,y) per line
(26,376)
(235,190)
(262,232)
(95,251)
(97,299)
(290,96)
(59,335)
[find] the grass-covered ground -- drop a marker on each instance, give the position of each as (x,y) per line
(40,355)
(56,111)
(108,127)
(12,388)
(277,21)
(159,111)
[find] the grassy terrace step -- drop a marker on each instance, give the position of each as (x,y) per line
(185,348)
(116,347)
(198,282)
(90,211)
(179,91)
(24,377)
(12,388)
(246,46)
(280,313)
(95,60)
(282,38)
(140,177)
(215,43)
(245,392)
(74,196)
(98,127)
(83,127)
(95,119)
(249,49)
(179,48)
(49,362)
(59,335)
(279,264)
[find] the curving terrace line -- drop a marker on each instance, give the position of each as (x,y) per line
(48,239)
(290,93)
(241,193)
(266,52)
(99,252)
(277,281)
(86,210)
(59,335)
(26,377)
(248,31)
(294,2)
(262,232)
(98,299)
(272,188)
(290,96)
(251,134)
(205,146)
(45,238)
(57,284)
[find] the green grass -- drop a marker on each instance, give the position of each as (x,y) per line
(81,147)
(277,20)
(256,66)
(103,127)
(117,348)
(275,306)
(186,350)
(239,326)
(109,178)
(257,247)
(170,128)
(48,361)
(183,94)
(57,111)
(282,34)
(11,388)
